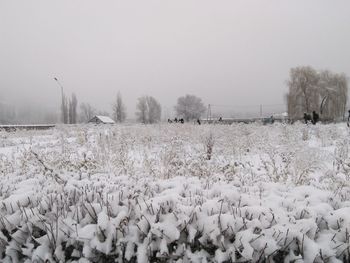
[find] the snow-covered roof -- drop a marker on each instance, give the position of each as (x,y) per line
(104,119)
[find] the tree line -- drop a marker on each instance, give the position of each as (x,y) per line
(310,90)
(148,109)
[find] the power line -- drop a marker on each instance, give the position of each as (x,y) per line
(245,105)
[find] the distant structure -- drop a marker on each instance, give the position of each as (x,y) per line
(282,118)
(101,120)
(13,128)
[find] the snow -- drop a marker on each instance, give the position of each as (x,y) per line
(105,119)
(149,193)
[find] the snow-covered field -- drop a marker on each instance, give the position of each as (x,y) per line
(176,193)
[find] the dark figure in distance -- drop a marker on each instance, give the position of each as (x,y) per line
(175,120)
(182,121)
(348,123)
(315,117)
(199,121)
(307,118)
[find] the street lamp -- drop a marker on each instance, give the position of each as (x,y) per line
(62,95)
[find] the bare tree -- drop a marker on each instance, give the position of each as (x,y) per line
(87,112)
(148,110)
(310,90)
(73,109)
(119,110)
(190,107)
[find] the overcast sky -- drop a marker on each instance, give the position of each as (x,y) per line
(227,52)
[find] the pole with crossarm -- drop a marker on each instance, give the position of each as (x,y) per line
(62,97)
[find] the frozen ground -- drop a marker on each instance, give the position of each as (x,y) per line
(176,193)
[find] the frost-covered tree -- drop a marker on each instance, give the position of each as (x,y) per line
(86,112)
(320,91)
(142,110)
(334,93)
(154,110)
(190,107)
(148,110)
(64,109)
(119,110)
(302,86)
(73,109)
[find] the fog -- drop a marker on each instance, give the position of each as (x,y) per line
(234,53)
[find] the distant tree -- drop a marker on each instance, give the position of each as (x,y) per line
(73,109)
(190,107)
(154,110)
(119,110)
(148,110)
(319,91)
(333,95)
(142,109)
(64,109)
(302,86)
(87,112)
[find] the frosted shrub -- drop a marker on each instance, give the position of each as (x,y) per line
(82,137)
(289,134)
(276,165)
(6,165)
(118,154)
(144,193)
(342,157)
(305,133)
(172,158)
(305,163)
(209,145)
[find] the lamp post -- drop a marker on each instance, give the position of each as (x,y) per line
(62,96)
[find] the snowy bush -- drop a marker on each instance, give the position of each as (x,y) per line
(144,193)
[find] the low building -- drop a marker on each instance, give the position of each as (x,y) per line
(101,120)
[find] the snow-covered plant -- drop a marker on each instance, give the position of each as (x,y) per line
(209,145)
(172,158)
(305,163)
(342,156)
(305,133)
(150,194)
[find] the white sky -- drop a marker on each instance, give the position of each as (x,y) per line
(226,52)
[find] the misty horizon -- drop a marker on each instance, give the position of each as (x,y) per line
(236,54)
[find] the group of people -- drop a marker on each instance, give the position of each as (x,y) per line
(314,118)
(176,120)
(308,118)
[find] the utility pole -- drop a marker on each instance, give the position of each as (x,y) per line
(209,113)
(62,100)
